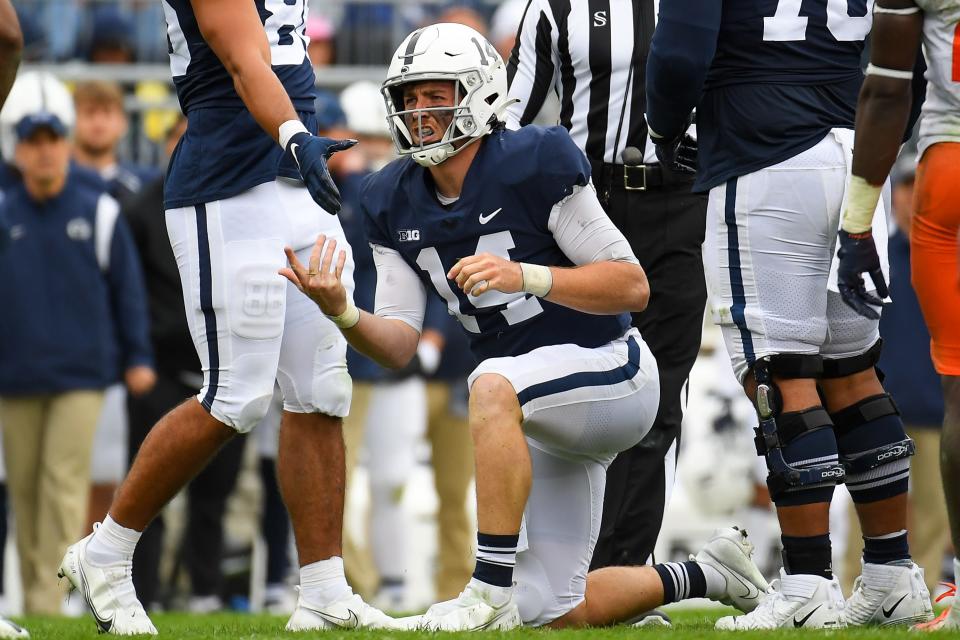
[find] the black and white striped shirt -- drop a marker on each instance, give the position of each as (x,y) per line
(582,49)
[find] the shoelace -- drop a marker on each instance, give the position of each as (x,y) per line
(767,612)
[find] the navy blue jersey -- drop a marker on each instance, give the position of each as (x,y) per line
(513,183)
(784,73)
(224,151)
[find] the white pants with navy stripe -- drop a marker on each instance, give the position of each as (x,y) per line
(250,326)
(580,408)
(770,259)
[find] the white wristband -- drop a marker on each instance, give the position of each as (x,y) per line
(537,279)
(348,319)
(862,198)
(289,129)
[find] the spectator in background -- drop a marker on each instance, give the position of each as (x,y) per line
(915,387)
(504,26)
(75,317)
(178,377)
(50,28)
(468,16)
(321,48)
(112,38)
(101,125)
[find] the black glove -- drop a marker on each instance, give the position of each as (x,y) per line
(678,155)
(858,255)
(311,154)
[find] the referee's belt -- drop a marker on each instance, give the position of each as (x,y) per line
(640,177)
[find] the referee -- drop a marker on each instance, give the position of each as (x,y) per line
(592,54)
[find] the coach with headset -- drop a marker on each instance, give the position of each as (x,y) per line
(593,55)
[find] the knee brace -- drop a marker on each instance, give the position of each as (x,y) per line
(842,367)
(874,448)
(799,446)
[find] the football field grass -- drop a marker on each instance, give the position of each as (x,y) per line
(688,625)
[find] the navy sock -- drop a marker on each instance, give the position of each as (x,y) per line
(681,580)
(496,557)
(886,549)
(808,555)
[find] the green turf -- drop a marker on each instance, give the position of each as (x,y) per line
(688,625)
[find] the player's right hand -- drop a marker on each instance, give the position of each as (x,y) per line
(858,255)
(678,155)
(311,153)
(320,282)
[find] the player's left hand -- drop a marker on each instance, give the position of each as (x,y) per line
(139,379)
(479,273)
(678,155)
(858,255)
(311,154)
(320,282)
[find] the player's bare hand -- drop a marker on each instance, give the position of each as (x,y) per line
(480,273)
(139,379)
(321,279)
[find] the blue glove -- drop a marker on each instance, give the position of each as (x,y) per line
(858,255)
(311,154)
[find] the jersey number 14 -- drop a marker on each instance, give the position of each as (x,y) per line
(517,307)
(787,25)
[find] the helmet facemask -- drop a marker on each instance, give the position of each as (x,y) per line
(462,125)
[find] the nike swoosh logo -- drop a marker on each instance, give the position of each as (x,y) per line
(293,151)
(887,614)
(104,624)
(350,622)
(480,627)
(802,621)
(485,219)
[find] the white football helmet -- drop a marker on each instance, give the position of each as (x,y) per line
(452,52)
(37,95)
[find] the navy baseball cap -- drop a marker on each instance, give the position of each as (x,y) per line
(33,122)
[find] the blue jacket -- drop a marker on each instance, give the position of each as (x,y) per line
(905,359)
(74,305)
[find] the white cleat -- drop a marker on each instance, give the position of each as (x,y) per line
(730,553)
(887,594)
(794,601)
(350,613)
(471,611)
(10,629)
(108,592)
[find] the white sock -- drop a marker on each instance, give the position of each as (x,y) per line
(323,582)
(112,543)
(716,583)
(491,594)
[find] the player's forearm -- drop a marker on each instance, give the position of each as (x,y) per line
(388,342)
(11,47)
(264,96)
(882,115)
(601,288)
(681,53)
